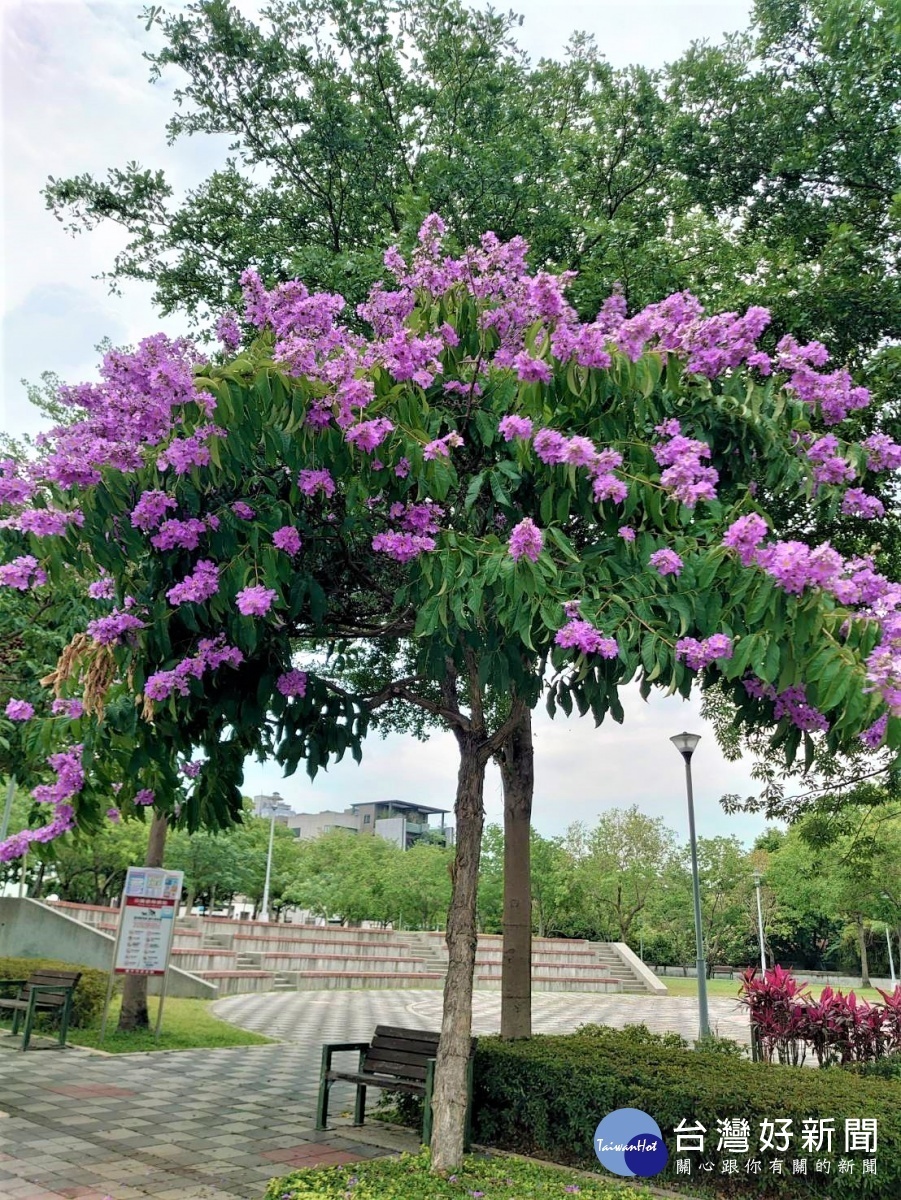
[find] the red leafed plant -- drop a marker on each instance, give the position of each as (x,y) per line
(839,1028)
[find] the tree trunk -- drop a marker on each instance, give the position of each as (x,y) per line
(517,762)
(864,958)
(449,1104)
(189,901)
(134,1013)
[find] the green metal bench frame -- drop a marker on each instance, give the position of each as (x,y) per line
(387,1080)
(28,1002)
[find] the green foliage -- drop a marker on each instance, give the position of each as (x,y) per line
(409,1178)
(89,995)
(187,1025)
(545,1096)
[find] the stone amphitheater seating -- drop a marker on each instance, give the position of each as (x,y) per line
(257,956)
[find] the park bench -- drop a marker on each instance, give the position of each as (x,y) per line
(396,1060)
(728,971)
(41,992)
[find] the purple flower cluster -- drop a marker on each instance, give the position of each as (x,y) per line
(22,573)
(554,449)
(255,601)
(829,465)
(228,331)
(102,588)
(13,489)
(73,709)
(685,475)
(526,541)
(368,435)
(19,710)
(292,683)
(69,781)
(191,769)
(582,635)
(417,518)
(211,653)
(883,454)
(183,454)
(185,535)
(150,510)
(441,447)
(856,503)
(243,511)
(698,655)
(114,815)
(145,797)
(109,631)
(402,547)
(875,735)
(311,482)
(745,535)
(202,585)
(515,427)
(46,522)
(627,533)
(666,562)
(792,703)
(288,539)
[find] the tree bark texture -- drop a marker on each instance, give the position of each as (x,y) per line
(134,1014)
(864,957)
(449,1101)
(517,765)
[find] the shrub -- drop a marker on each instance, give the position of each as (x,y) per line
(545,1096)
(87,1003)
(409,1178)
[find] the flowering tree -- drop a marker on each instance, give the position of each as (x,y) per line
(523,498)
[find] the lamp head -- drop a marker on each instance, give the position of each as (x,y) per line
(757,879)
(685,743)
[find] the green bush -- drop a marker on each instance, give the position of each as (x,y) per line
(409,1178)
(87,1003)
(546,1095)
(880,1068)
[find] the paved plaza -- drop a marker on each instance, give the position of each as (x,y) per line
(217,1124)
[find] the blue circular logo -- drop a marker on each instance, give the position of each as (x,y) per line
(629,1142)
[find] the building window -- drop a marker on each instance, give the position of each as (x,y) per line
(366,819)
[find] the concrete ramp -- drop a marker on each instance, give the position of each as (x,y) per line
(29,929)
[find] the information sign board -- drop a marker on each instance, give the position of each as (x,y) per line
(147,921)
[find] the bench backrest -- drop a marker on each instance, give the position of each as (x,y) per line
(402,1053)
(64,980)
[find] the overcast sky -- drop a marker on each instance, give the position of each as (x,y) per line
(76,99)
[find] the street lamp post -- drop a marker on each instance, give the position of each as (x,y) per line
(264,907)
(760,926)
(888,940)
(686,743)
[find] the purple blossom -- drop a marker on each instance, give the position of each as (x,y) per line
(582,635)
(403,547)
(211,653)
(228,331)
(874,736)
(114,815)
(531,370)
(526,540)
(108,631)
(856,503)
(745,535)
(145,797)
(367,435)
(608,487)
(22,573)
(883,453)
(195,588)
(550,446)
(255,601)
(311,482)
(19,710)
(685,476)
(73,709)
(698,655)
(102,588)
(191,769)
(515,427)
(402,470)
(292,683)
(792,703)
(667,562)
(288,539)
(627,533)
(174,533)
(47,522)
(151,509)
(243,511)
(441,447)
(182,454)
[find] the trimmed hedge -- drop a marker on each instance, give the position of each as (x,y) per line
(546,1095)
(87,1006)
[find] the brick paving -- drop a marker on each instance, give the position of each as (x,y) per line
(218,1124)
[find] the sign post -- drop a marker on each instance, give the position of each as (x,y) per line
(146,929)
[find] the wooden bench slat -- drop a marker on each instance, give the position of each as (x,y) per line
(416,1035)
(393,1070)
(398,1045)
(393,1085)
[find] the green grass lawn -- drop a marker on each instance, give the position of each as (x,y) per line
(678,985)
(409,1178)
(187,1025)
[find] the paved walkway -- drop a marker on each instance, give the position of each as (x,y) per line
(217,1124)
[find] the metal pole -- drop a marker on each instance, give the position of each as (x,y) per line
(159,1011)
(703,1017)
(264,907)
(760,926)
(112,968)
(10,792)
(891,961)
(22,874)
